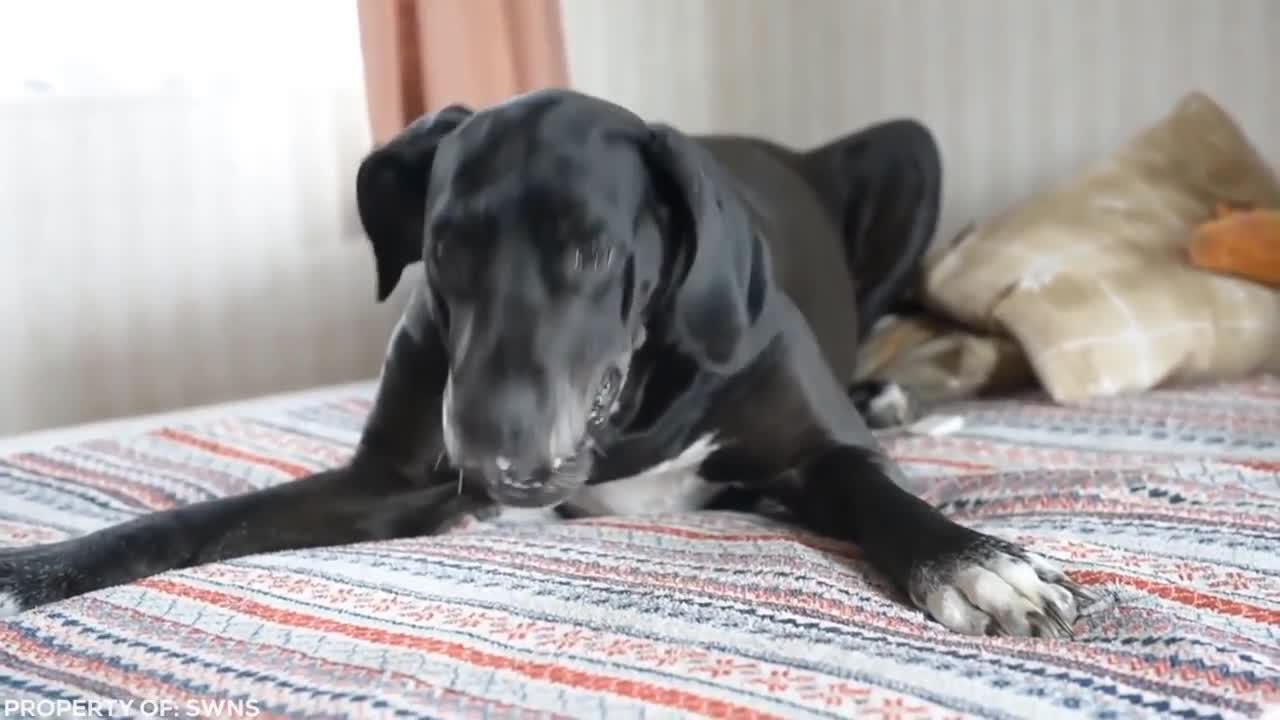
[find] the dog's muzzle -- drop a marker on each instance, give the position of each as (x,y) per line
(509,484)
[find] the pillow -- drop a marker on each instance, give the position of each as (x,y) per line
(1092,278)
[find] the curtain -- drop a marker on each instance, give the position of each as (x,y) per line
(420,55)
(177,210)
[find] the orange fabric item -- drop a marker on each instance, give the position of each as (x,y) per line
(1244,243)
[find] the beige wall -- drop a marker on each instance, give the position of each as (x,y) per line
(1018,91)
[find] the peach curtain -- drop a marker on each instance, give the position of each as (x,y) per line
(420,55)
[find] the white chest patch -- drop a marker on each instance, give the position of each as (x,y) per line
(671,486)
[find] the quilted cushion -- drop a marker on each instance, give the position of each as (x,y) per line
(1092,278)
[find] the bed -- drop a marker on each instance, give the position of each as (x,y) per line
(1166,503)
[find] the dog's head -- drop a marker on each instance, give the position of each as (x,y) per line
(555,230)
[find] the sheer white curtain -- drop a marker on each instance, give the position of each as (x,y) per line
(177,217)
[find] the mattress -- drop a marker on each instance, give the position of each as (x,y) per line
(1166,504)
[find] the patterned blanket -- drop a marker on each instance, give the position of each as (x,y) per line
(1168,504)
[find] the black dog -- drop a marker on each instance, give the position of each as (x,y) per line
(616,318)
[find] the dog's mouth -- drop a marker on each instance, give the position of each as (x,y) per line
(564,474)
(604,402)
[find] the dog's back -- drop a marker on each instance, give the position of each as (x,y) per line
(845,246)
(804,239)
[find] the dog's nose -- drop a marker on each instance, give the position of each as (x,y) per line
(515,410)
(502,426)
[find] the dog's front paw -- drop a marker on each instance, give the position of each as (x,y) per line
(992,587)
(884,404)
(31,576)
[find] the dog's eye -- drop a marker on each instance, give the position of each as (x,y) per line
(628,288)
(449,265)
(444,254)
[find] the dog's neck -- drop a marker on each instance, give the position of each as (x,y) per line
(657,409)
(658,412)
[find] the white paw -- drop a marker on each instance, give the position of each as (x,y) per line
(884,404)
(998,589)
(9,605)
(891,403)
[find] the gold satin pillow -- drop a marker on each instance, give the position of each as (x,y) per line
(1092,278)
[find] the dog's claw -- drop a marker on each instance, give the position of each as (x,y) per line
(1055,616)
(1082,594)
(1051,615)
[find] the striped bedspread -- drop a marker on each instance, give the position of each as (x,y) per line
(1168,504)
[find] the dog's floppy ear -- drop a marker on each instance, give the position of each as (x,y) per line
(722,289)
(391,193)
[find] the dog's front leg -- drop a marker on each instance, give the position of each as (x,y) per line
(968,581)
(384,491)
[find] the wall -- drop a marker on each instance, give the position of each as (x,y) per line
(1018,91)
